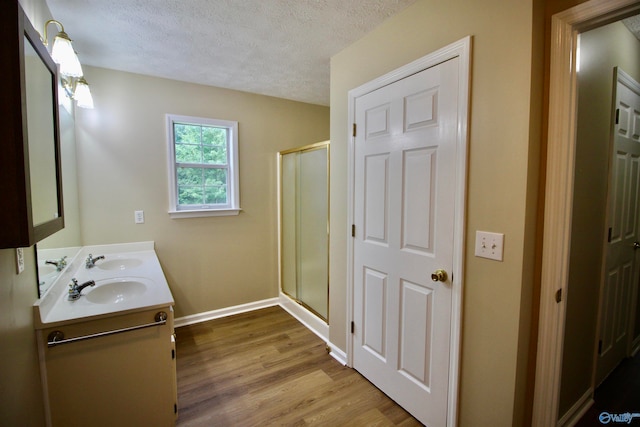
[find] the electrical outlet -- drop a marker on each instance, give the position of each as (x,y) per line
(19,260)
(139,217)
(489,245)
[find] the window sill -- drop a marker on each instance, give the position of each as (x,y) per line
(201,213)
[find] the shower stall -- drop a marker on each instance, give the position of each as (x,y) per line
(304,227)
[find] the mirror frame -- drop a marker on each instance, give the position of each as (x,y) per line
(16,221)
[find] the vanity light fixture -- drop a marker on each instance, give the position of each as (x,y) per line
(82,94)
(78,89)
(71,73)
(62,51)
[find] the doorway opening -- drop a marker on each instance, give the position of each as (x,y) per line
(563,185)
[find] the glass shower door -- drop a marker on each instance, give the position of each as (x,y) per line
(304,216)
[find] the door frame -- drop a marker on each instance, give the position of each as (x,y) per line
(560,167)
(462,50)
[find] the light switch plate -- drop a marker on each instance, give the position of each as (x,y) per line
(19,260)
(139,217)
(489,245)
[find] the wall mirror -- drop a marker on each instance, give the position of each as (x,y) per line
(30,171)
(59,249)
(40,137)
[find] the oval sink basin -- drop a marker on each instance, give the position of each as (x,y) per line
(114,291)
(118,264)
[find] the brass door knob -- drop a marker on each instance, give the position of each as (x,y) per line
(439,276)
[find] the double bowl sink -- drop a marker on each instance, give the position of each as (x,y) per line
(125,280)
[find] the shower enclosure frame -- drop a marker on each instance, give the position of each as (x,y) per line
(325,145)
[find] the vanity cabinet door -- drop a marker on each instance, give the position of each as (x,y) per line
(125,379)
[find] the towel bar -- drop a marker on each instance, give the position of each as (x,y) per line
(57,337)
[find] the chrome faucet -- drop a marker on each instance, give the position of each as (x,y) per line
(91,261)
(60,264)
(75,289)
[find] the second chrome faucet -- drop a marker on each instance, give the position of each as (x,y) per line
(91,261)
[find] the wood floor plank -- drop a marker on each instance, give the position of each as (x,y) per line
(264,368)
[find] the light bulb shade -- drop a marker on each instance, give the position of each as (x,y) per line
(62,53)
(82,94)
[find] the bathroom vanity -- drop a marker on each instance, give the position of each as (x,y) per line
(108,357)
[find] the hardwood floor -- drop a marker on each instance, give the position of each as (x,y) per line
(618,394)
(264,368)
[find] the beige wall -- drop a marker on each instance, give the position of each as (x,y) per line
(210,263)
(503,172)
(20,391)
(600,50)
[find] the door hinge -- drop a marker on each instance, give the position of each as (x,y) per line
(353,230)
(354,130)
(609,235)
(175,408)
(617,116)
(599,347)
(559,295)
(353,326)
(173,354)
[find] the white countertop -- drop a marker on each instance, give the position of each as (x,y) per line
(54,309)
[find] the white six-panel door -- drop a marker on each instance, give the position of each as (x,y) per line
(621,263)
(404,209)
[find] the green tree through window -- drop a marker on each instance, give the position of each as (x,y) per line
(204,175)
(201,164)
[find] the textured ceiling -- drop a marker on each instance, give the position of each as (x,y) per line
(279,48)
(633,24)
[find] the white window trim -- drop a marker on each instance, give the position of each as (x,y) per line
(233,189)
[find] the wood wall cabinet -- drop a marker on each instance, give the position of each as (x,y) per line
(30,170)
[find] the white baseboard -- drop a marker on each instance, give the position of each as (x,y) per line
(304,316)
(337,354)
(576,412)
(224,312)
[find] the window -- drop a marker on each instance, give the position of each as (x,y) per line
(203,167)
